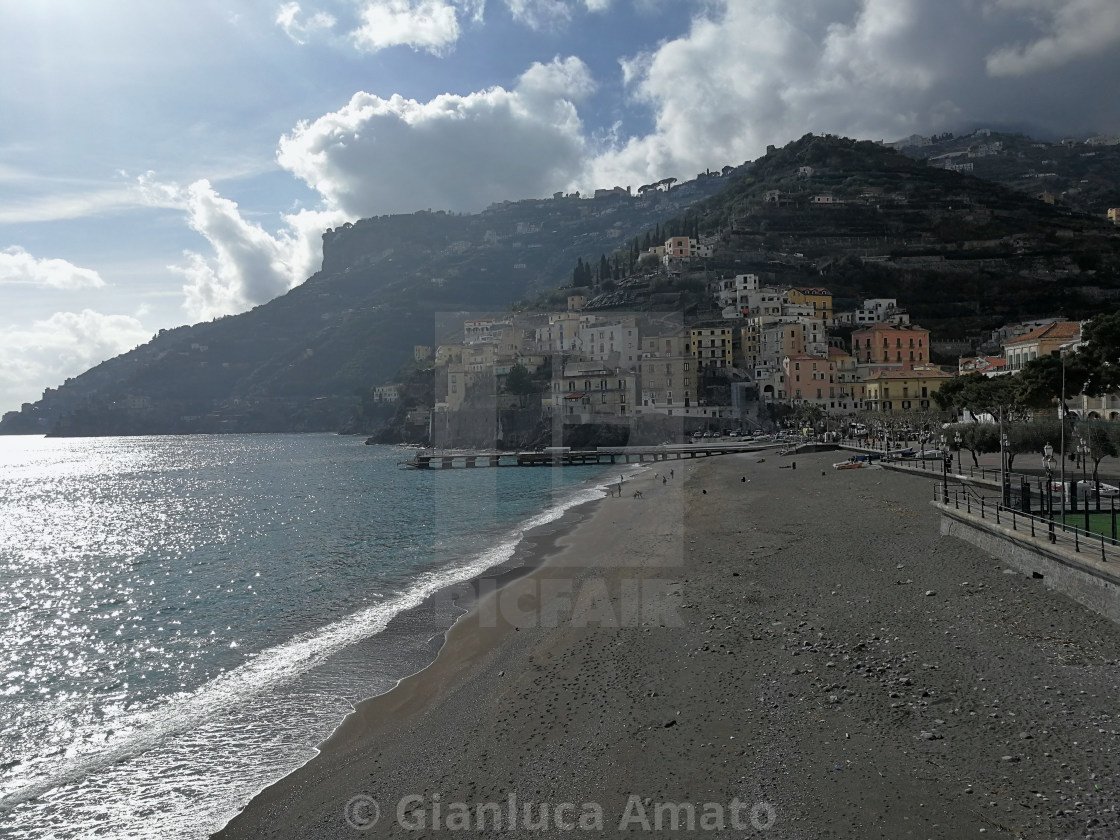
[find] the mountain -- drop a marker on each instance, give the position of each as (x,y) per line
(300,362)
(1082,175)
(963,253)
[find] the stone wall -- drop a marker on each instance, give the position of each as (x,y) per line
(1082,576)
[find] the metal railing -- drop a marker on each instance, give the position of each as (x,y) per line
(972,503)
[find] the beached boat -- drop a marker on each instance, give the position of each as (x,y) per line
(850,465)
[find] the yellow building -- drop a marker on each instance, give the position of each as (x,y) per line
(712,346)
(820,299)
(1040,343)
(893,391)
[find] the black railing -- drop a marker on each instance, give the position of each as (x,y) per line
(972,503)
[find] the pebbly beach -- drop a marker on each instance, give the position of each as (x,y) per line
(746,648)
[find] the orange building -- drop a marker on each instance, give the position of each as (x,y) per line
(891,344)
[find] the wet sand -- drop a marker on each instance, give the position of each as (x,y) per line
(799,655)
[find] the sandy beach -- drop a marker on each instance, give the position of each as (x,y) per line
(745,648)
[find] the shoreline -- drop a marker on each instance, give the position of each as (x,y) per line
(838,665)
(536,547)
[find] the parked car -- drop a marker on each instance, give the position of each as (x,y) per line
(1087,489)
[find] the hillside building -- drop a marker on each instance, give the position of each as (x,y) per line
(590,392)
(902,345)
(904,389)
(1040,342)
(712,346)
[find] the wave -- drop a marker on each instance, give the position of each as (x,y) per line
(274,667)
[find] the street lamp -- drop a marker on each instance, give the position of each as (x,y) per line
(1004,485)
(1061,354)
(946,458)
(1048,465)
(1083,453)
(958,441)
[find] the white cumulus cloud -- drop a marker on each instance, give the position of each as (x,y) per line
(455,152)
(18,266)
(248,265)
(44,353)
(743,75)
(431,25)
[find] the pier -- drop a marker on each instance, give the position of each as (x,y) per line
(577,458)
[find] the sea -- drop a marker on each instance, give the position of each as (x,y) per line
(182,619)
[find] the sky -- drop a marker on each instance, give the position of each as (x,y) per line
(165,163)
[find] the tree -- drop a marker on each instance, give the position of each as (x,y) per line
(1040,380)
(1101,353)
(1027,438)
(997,396)
(1104,442)
(520,383)
(977,438)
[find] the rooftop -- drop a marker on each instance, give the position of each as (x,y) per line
(1059,331)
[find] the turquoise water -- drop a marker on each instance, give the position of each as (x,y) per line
(183,618)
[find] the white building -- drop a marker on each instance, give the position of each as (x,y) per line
(615,344)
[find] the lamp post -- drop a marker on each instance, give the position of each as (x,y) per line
(958,441)
(1004,486)
(1048,465)
(1083,453)
(946,458)
(1061,354)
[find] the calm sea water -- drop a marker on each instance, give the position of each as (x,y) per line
(183,618)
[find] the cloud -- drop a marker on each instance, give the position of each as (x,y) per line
(301,29)
(453,152)
(431,25)
(745,75)
(19,267)
(248,266)
(539,14)
(48,351)
(57,206)
(567,79)
(1072,30)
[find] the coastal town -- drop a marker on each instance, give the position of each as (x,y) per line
(772,357)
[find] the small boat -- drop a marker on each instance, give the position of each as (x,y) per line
(849,465)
